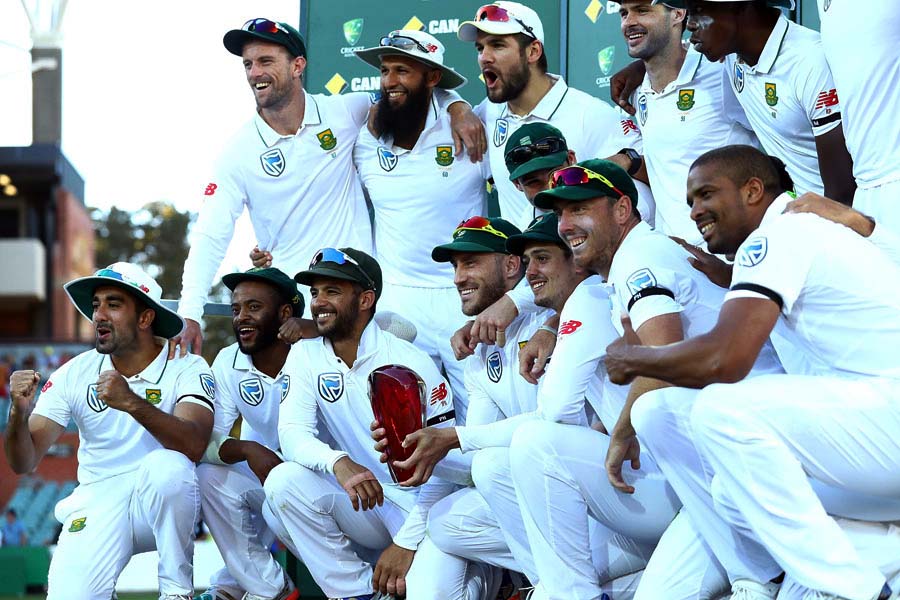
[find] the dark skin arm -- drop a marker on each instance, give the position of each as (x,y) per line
(836,166)
(187,430)
(623,84)
(724,355)
(260,459)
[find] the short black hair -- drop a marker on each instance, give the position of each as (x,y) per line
(739,163)
(785,179)
(524,41)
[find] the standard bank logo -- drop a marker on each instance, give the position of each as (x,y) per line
(251,391)
(753,252)
(501,130)
(272,162)
(96,404)
(331,386)
(386,159)
(495,366)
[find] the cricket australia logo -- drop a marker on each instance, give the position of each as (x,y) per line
(285,387)
(501,130)
(753,252)
(738,77)
(387,160)
(272,162)
(331,386)
(251,391)
(208,384)
(642,108)
(96,404)
(495,366)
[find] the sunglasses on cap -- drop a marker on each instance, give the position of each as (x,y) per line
(478,224)
(576,175)
(404,42)
(543,147)
(340,257)
(498,14)
(264,26)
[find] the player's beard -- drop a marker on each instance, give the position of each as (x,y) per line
(403,121)
(341,326)
(266,335)
(118,341)
(513,83)
(488,292)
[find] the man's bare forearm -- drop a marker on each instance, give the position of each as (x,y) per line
(171,431)
(19,445)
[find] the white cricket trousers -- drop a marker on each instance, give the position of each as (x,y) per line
(105,523)
(437,314)
(880,203)
(763,436)
(231,497)
(561,484)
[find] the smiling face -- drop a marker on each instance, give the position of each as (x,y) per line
(257,313)
(590,230)
(714,27)
(504,66)
(116,317)
(336,306)
(649,29)
(404,76)
(718,209)
(273,75)
(551,273)
(479,278)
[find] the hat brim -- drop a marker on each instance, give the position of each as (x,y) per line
(450,79)
(166,324)
(444,252)
(235,40)
(542,162)
(231,281)
(468,30)
(517,243)
(547,199)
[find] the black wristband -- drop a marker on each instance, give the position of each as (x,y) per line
(637,161)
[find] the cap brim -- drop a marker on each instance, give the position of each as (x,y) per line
(307,277)
(547,199)
(468,30)
(450,79)
(516,244)
(542,162)
(167,323)
(235,39)
(444,252)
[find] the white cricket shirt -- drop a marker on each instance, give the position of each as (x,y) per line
(866,73)
(301,190)
(790,99)
(419,197)
(112,442)
(692,115)
(592,128)
(839,294)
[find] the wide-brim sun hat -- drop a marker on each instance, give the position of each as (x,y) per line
(419,45)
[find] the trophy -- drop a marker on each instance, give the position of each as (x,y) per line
(397,394)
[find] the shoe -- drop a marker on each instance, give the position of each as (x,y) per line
(215,593)
(745,589)
(289,592)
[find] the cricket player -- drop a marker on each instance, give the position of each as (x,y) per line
(251,386)
(415,184)
(740,451)
(143,421)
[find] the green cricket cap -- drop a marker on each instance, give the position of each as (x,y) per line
(544,228)
(265,30)
(593,188)
(348,264)
(491,236)
(274,277)
(520,161)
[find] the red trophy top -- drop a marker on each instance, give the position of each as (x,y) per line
(397,394)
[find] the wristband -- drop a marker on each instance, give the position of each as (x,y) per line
(636,160)
(548,328)
(211,455)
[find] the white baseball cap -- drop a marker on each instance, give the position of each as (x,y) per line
(419,45)
(133,279)
(503,18)
(683,3)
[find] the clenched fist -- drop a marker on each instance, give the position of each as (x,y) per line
(114,391)
(22,387)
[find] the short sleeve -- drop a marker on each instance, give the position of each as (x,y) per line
(358,105)
(818,94)
(647,292)
(196,383)
(53,402)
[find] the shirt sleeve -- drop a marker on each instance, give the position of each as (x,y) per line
(486,425)
(196,383)
(887,241)
(224,200)
(605,132)
(412,531)
(770,264)
(298,422)
(646,292)
(226,409)
(523,298)
(358,105)
(817,93)
(447,98)
(585,331)
(53,402)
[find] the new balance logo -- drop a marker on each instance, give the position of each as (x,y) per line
(827,99)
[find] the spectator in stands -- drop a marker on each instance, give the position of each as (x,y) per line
(13,531)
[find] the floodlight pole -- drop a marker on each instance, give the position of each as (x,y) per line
(46,68)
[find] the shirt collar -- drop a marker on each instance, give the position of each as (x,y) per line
(773,46)
(686,75)
(549,104)
(152,373)
(311,116)
(430,121)
(776,209)
(368,342)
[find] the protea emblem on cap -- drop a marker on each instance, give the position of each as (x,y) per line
(444,156)
(501,130)
(386,159)
(327,140)
(272,162)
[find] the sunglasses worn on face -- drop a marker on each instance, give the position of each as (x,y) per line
(497,14)
(522,154)
(477,224)
(404,42)
(341,258)
(575,175)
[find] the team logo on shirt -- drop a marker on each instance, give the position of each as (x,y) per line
(642,108)
(387,160)
(285,387)
(501,130)
(439,394)
(208,384)
(444,156)
(641,280)
(96,404)
(153,396)
(738,77)
(331,386)
(771,94)
(272,162)
(495,366)
(327,140)
(827,5)
(251,391)
(685,99)
(569,327)
(47,386)
(77,525)
(753,252)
